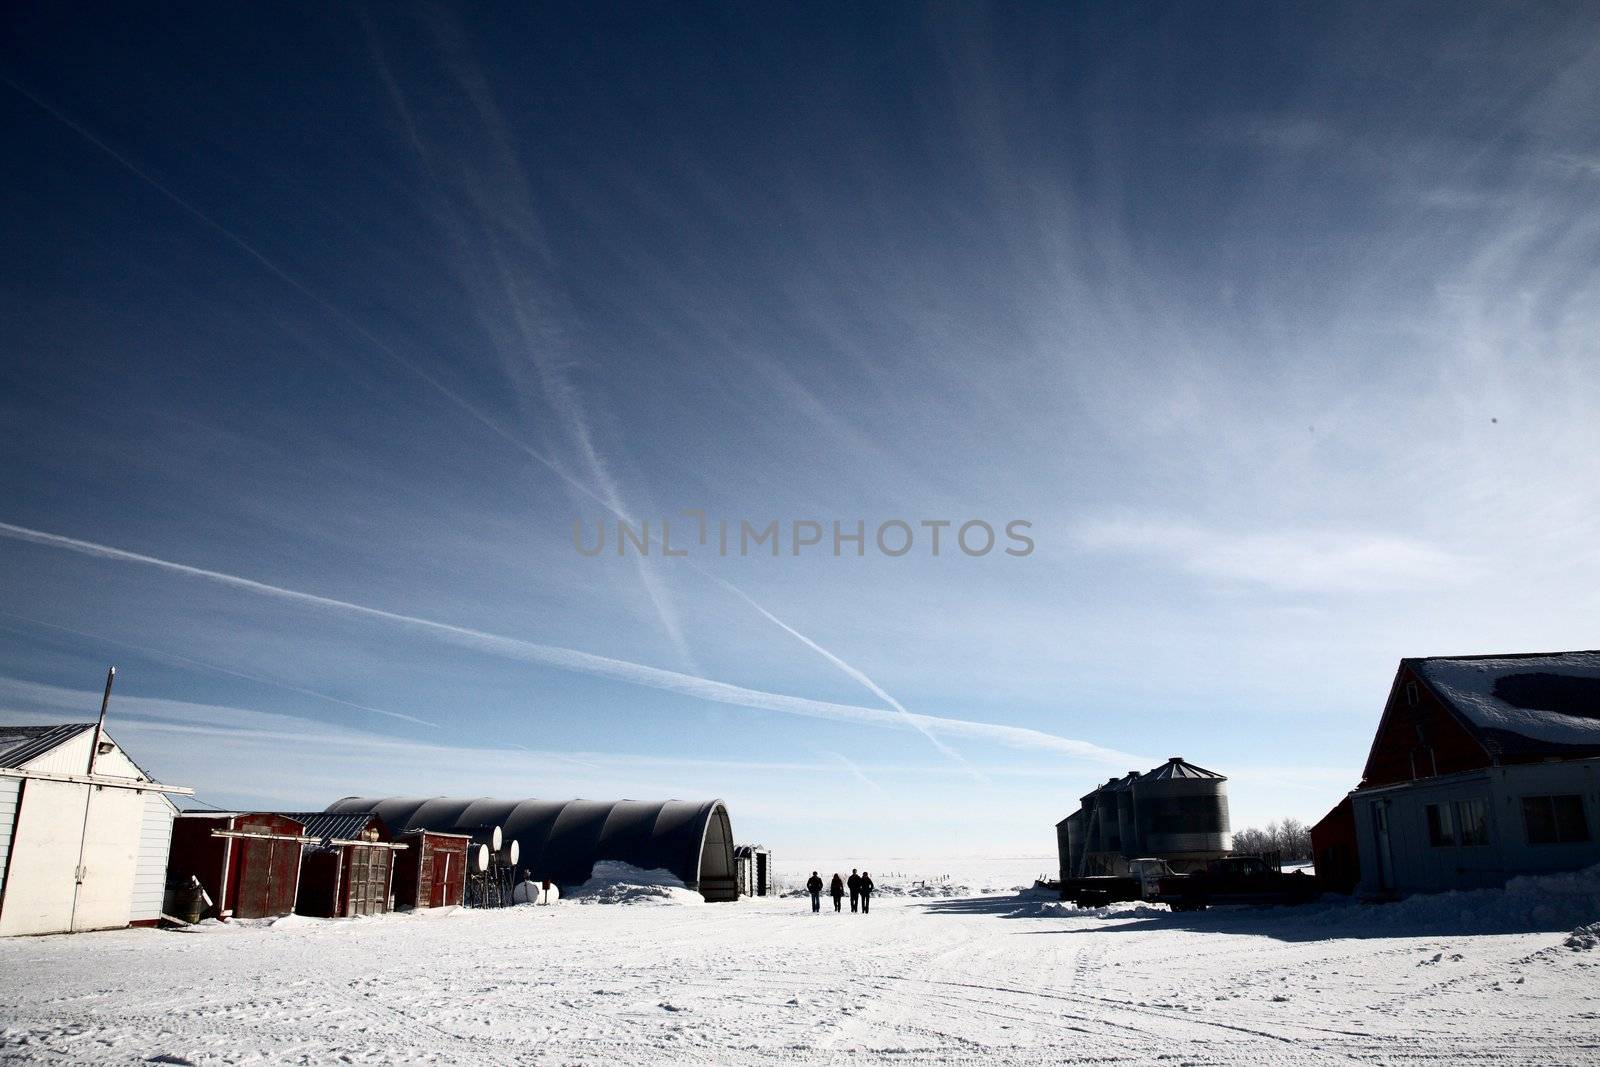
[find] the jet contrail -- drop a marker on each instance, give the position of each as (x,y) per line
(300,287)
(858,675)
(608,500)
(203,665)
(653,588)
(568,659)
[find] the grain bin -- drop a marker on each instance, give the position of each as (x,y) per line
(1127,824)
(1105,814)
(1091,825)
(1182,810)
(1070,840)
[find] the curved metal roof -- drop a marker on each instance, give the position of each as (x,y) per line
(563,839)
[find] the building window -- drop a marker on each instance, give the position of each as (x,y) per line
(1460,822)
(1441,830)
(1554,820)
(1472,822)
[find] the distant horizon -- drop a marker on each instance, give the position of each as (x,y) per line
(1234,354)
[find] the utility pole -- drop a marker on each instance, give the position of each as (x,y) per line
(79,873)
(100,727)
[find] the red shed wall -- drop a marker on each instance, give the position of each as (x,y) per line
(432,872)
(1419,740)
(1334,850)
(195,852)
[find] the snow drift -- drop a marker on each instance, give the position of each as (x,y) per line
(611,882)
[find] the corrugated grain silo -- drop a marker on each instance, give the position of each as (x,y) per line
(1181,811)
(1077,835)
(1127,824)
(1091,826)
(1106,811)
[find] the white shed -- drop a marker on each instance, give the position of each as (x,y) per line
(78,851)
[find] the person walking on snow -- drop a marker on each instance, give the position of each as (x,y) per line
(855,889)
(866,891)
(814,887)
(836,890)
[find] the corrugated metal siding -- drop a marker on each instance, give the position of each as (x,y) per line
(150,872)
(10,790)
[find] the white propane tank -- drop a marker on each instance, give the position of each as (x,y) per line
(531,892)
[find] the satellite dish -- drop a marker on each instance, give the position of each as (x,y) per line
(495,839)
(513,850)
(480,858)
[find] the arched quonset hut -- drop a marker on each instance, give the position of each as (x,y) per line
(563,839)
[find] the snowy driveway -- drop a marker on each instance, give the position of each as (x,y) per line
(996,980)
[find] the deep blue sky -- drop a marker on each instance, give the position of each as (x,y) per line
(1278,322)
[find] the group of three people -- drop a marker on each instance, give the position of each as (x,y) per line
(859,884)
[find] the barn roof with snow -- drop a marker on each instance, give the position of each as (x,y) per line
(1512,708)
(1541,699)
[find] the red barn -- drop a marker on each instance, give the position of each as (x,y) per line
(350,871)
(432,872)
(1482,767)
(249,863)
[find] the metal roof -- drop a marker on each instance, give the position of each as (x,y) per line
(1177,768)
(563,839)
(326,826)
(19,744)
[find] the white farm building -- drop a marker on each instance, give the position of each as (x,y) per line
(83,832)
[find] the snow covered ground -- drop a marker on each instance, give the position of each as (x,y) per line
(996,978)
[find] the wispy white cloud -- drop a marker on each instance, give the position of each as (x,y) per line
(1290,561)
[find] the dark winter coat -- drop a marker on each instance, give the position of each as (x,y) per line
(837,889)
(855,884)
(866,886)
(814,885)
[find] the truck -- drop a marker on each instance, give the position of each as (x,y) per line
(1226,880)
(1142,882)
(1235,880)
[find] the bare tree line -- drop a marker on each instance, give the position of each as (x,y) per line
(1290,838)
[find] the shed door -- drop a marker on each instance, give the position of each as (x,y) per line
(426,860)
(285,877)
(254,872)
(369,881)
(449,872)
(1380,828)
(110,859)
(268,877)
(438,866)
